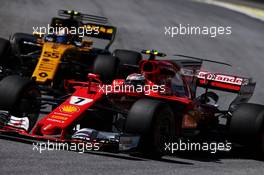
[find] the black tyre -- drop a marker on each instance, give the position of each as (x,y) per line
(155,122)
(127,57)
(19,47)
(247,125)
(106,66)
(4,50)
(19,96)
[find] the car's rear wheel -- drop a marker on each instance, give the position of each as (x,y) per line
(106,66)
(128,56)
(129,60)
(155,122)
(247,126)
(19,96)
(4,50)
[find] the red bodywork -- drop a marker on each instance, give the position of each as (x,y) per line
(86,94)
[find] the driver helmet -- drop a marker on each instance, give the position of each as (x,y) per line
(62,36)
(135,79)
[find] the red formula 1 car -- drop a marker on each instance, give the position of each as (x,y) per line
(143,112)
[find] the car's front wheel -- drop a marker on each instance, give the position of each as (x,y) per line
(155,122)
(19,96)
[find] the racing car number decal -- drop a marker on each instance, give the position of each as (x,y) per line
(79,101)
(51,54)
(49,62)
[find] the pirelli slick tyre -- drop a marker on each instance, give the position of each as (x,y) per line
(247,126)
(126,58)
(18,45)
(4,50)
(19,96)
(154,121)
(106,66)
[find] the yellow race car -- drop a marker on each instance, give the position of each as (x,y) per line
(65,50)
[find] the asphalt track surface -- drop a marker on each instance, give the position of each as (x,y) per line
(141,25)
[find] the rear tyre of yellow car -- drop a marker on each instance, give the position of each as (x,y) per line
(129,60)
(106,67)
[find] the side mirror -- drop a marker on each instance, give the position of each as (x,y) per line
(94,77)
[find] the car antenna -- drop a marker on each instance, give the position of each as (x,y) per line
(201,59)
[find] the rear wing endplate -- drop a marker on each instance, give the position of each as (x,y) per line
(244,87)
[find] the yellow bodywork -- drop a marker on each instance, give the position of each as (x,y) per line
(49,61)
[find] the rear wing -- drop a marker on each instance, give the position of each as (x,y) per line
(222,82)
(100,31)
(71,14)
(194,77)
(90,25)
(244,87)
(105,32)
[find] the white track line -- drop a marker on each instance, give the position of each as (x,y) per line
(250,11)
